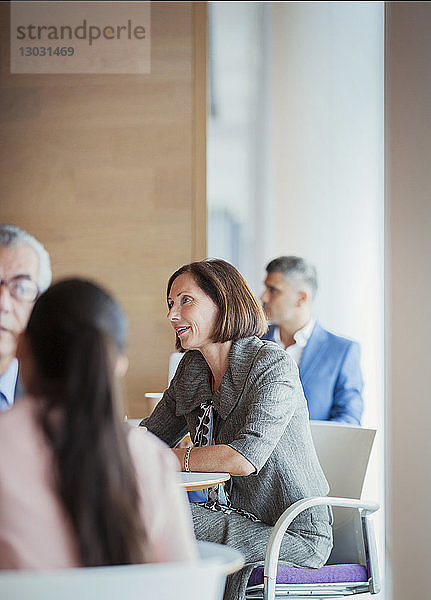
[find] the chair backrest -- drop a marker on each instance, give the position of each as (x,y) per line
(174,361)
(343,451)
(163,581)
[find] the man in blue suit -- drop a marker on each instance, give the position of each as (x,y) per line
(329,365)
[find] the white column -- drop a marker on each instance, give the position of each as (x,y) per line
(327,170)
(327,177)
(408,175)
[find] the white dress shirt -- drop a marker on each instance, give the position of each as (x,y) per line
(7,385)
(301,338)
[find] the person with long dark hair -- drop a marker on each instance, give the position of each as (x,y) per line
(78,486)
(242,402)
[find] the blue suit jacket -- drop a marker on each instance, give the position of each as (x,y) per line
(331,377)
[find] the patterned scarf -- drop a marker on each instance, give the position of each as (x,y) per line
(215,498)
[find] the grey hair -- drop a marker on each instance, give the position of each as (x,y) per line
(12,236)
(297,269)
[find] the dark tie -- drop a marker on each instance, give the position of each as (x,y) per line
(4,405)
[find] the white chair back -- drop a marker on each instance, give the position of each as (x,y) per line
(162,581)
(343,451)
(230,559)
(132,582)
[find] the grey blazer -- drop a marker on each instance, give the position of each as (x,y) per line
(261,413)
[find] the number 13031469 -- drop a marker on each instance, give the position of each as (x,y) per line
(46,50)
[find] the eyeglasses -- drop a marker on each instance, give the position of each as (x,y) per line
(21,288)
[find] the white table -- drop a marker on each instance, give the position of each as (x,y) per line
(231,559)
(199,481)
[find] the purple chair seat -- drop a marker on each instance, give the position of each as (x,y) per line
(328,574)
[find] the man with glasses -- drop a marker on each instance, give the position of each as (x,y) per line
(329,365)
(25,272)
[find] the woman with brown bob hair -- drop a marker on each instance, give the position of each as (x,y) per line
(240,313)
(242,402)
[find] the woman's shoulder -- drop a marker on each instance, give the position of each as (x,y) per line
(256,362)
(190,357)
(265,353)
(192,367)
(23,446)
(21,416)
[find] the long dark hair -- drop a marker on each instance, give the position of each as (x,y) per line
(75,333)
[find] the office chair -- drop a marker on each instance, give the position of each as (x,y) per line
(352,567)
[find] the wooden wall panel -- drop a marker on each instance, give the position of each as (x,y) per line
(109,172)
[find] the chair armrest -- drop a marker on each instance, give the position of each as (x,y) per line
(279,529)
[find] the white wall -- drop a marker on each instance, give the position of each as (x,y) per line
(326,156)
(408,176)
(234,133)
(299,87)
(327,172)
(327,178)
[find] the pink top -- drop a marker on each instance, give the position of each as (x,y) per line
(35,532)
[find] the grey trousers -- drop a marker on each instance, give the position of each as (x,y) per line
(297,549)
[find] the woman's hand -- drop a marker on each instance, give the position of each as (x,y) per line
(218,458)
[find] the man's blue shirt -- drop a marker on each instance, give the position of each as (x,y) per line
(8,385)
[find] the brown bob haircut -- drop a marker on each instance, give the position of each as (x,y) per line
(241,314)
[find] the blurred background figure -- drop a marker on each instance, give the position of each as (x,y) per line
(78,486)
(25,272)
(329,365)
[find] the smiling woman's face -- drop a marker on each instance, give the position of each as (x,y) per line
(191,313)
